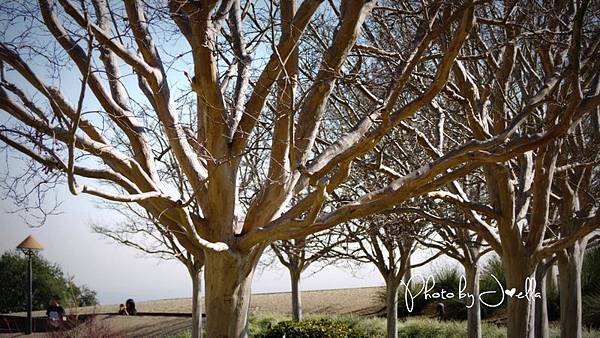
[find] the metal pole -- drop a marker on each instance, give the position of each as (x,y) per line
(29,296)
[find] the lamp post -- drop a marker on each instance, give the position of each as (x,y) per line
(28,246)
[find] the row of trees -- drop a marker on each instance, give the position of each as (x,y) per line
(235,124)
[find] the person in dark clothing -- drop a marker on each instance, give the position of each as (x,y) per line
(122,310)
(55,313)
(130,307)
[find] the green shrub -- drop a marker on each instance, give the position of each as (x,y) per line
(430,328)
(261,322)
(313,328)
(447,279)
(590,287)
(371,327)
(455,309)
(590,271)
(419,303)
(493,268)
(48,280)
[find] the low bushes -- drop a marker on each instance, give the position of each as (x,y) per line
(419,303)
(448,279)
(430,328)
(263,321)
(314,328)
(590,287)
(263,325)
(364,327)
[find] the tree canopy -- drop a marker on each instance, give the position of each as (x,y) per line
(48,280)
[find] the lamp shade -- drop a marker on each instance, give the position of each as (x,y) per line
(30,243)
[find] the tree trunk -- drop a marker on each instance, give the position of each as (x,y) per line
(520,312)
(552,277)
(228,281)
(296,297)
(569,274)
(473,313)
(196,303)
(542,329)
(391,289)
(408,271)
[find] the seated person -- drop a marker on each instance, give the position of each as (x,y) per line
(122,310)
(55,313)
(130,307)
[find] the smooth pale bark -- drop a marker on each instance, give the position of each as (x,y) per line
(520,312)
(569,274)
(473,313)
(552,277)
(227,294)
(296,297)
(542,330)
(408,272)
(391,302)
(196,276)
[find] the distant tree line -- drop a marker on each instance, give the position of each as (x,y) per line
(48,280)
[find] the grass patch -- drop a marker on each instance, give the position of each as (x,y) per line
(431,328)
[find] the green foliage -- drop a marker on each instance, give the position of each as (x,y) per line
(419,303)
(48,280)
(316,326)
(367,326)
(590,271)
(430,328)
(591,310)
(84,295)
(590,287)
(262,323)
(448,279)
(493,268)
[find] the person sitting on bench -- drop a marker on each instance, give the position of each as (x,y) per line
(55,313)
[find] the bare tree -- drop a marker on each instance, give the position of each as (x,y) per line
(578,192)
(296,255)
(519,191)
(141,232)
(386,241)
(467,248)
(541,325)
(380,63)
